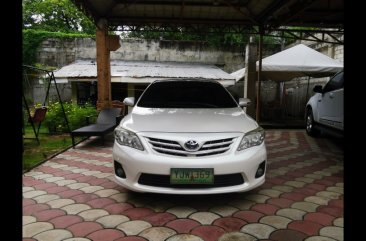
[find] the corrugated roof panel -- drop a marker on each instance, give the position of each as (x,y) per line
(143,69)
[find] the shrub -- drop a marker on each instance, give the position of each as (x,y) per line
(55,120)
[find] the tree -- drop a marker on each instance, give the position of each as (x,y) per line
(55,16)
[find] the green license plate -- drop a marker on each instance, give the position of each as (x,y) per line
(191,176)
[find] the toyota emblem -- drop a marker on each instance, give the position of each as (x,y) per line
(191,145)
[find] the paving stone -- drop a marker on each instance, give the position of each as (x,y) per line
(29,230)
(333,232)
(230,224)
(295,184)
(307,227)
(42,176)
(291,213)
(339,203)
(120,197)
(84,228)
(93,214)
(75,208)
(64,182)
(111,221)
(100,202)
(106,192)
(305,206)
(336,189)
(184,237)
(181,211)
(182,225)
(32,194)
(137,213)
(106,235)
(270,192)
(28,219)
(287,235)
(265,208)
(258,198)
(28,201)
(319,238)
(340,184)
(295,196)
(65,221)
(314,176)
(242,204)
(208,233)
(133,227)
(46,198)
(321,218)
(249,216)
(157,233)
(58,203)
(305,179)
(278,222)
(31,209)
(77,185)
(117,208)
(46,215)
(339,222)
(333,211)
(85,198)
(317,200)
(57,189)
(90,189)
(54,235)
(224,211)
(236,236)
(159,219)
(280,202)
(258,230)
(283,188)
(32,173)
(27,189)
(328,194)
(204,217)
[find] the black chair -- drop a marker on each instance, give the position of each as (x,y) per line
(106,122)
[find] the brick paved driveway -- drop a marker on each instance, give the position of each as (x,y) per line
(73,197)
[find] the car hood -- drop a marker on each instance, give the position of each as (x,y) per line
(188,120)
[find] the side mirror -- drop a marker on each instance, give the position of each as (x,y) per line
(129,101)
(244,102)
(318,89)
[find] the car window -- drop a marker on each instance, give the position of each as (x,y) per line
(186,94)
(334,83)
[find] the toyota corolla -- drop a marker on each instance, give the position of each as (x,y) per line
(188,137)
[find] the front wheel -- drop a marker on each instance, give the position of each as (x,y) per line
(310,130)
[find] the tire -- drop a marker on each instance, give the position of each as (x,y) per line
(310,130)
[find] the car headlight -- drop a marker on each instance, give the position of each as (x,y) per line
(252,138)
(127,138)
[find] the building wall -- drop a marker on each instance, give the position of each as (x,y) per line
(60,52)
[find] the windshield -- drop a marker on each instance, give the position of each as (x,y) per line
(186,94)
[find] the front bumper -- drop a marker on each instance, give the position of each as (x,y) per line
(135,163)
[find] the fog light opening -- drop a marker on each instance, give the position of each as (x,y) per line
(118,170)
(261,169)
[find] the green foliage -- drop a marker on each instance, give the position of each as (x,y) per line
(55,120)
(55,16)
(33,38)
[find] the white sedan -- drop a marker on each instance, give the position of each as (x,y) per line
(188,137)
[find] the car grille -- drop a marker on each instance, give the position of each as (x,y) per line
(209,148)
(226,180)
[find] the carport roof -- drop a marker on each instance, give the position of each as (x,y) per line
(269,13)
(143,71)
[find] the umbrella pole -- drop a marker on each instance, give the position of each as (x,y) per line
(259,74)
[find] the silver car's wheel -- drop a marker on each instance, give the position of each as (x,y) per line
(310,124)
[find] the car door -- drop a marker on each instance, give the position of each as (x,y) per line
(330,103)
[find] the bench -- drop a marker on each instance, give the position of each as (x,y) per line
(107,121)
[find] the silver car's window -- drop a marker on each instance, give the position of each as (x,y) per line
(186,94)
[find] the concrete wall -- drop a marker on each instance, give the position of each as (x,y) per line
(60,52)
